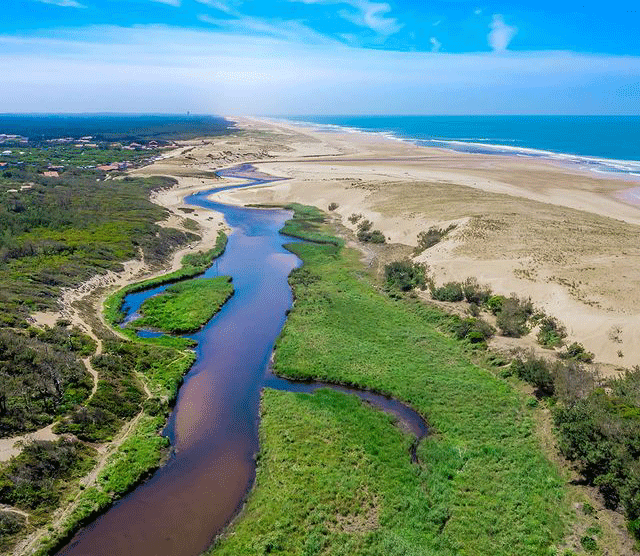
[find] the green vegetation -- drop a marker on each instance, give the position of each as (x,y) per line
(474,330)
(185,306)
(40,376)
(59,233)
(367,235)
(551,332)
(335,477)
(192,264)
(307,224)
(577,352)
(36,479)
(405,275)
(451,291)
(599,428)
(431,237)
(482,485)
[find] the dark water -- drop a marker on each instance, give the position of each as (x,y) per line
(214,427)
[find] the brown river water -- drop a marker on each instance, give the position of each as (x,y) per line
(214,426)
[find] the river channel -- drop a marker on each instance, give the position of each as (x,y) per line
(213,428)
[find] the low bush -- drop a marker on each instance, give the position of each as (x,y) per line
(405,275)
(367,235)
(551,332)
(36,477)
(537,372)
(474,330)
(333,206)
(474,292)
(451,291)
(495,303)
(431,237)
(577,352)
(513,315)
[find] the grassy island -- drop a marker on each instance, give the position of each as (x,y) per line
(185,306)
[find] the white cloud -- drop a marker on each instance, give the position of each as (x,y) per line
(437,23)
(501,34)
(478,11)
(164,69)
(365,13)
(286,30)
(435,44)
(220,6)
(174,3)
(63,3)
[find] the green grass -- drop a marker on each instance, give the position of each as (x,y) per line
(307,223)
(185,306)
(193,264)
(335,477)
(483,485)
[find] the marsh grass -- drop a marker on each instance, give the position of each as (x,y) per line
(185,306)
(483,485)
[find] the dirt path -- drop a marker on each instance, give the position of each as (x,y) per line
(28,545)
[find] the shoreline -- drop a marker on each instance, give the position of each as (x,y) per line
(580,162)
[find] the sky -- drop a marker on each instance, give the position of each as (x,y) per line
(284,57)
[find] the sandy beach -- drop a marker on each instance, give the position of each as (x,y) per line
(562,236)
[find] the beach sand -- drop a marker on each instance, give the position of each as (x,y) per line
(567,238)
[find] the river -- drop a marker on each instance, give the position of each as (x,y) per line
(213,428)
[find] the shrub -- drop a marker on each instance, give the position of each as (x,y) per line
(537,372)
(367,235)
(513,316)
(451,291)
(474,330)
(495,302)
(474,292)
(353,218)
(577,352)
(551,332)
(333,206)
(589,544)
(429,238)
(405,275)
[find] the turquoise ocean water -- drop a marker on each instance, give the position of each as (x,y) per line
(596,143)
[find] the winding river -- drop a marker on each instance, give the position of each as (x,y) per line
(214,426)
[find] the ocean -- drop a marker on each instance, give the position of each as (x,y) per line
(597,143)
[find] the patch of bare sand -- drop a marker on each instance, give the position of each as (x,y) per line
(559,235)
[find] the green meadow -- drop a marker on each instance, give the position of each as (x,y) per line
(185,306)
(335,477)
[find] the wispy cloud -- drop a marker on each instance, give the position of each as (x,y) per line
(364,13)
(292,31)
(435,44)
(226,72)
(221,6)
(501,34)
(174,3)
(63,3)
(478,11)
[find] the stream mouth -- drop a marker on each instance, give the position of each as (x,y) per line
(213,428)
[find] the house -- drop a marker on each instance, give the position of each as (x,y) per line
(109,167)
(51,174)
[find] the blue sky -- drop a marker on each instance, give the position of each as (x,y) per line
(320,56)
